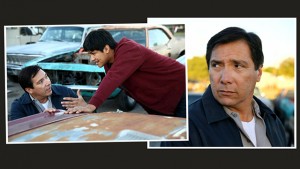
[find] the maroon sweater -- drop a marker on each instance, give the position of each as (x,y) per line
(155,81)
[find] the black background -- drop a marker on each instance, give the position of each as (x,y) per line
(133,155)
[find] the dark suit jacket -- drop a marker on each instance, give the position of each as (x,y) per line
(24,106)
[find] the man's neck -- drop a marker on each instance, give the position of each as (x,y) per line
(41,100)
(246,113)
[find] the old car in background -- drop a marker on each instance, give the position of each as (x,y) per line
(57,52)
(56,41)
(22,35)
(285,109)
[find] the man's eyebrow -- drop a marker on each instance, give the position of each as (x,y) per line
(239,61)
(39,80)
(45,74)
(215,61)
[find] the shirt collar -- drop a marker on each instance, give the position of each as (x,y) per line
(255,109)
(214,111)
(35,100)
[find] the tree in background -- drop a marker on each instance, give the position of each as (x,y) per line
(197,69)
(197,74)
(286,67)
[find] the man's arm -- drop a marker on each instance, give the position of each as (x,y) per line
(16,110)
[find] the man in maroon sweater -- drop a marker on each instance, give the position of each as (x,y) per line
(155,81)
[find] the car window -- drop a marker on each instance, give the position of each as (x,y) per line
(66,34)
(25,31)
(137,35)
(157,37)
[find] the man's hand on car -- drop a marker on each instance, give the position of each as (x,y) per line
(52,111)
(89,108)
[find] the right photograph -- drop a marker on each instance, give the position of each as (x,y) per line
(241,82)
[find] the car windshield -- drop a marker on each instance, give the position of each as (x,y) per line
(137,35)
(63,34)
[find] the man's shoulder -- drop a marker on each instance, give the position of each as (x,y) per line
(196,108)
(57,85)
(124,39)
(60,89)
(125,42)
(23,99)
(196,103)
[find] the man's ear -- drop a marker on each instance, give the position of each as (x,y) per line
(28,90)
(106,49)
(259,73)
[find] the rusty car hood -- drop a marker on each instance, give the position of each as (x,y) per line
(106,126)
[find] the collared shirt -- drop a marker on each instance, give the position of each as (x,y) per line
(260,127)
(42,106)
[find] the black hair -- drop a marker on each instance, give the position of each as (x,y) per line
(97,39)
(232,34)
(26,75)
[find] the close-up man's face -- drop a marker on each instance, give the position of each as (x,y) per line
(101,58)
(41,85)
(232,74)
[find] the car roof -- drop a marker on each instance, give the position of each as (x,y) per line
(82,26)
(133,26)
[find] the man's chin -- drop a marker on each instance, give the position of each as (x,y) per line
(226,101)
(100,65)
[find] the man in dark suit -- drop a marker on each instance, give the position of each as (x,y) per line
(40,95)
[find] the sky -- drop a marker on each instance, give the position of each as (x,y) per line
(278,35)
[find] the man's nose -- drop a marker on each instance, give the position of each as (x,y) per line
(226,76)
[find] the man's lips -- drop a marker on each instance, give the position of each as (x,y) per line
(226,92)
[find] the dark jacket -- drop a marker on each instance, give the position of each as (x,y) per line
(210,126)
(24,106)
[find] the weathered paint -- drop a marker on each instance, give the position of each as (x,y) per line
(35,121)
(106,126)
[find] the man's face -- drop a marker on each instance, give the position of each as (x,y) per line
(232,74)
(41,86)
(101,58)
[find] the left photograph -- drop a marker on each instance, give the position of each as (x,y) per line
(95,83)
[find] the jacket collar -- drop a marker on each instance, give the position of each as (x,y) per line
(214,111)
(212,108)
(26,99)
